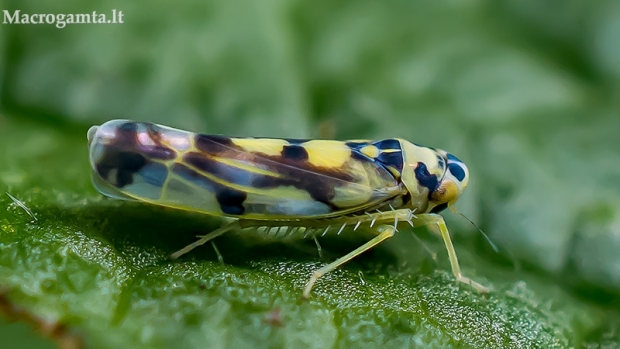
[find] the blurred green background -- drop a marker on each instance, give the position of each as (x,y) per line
(526,92)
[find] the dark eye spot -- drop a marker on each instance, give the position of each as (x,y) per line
(457,171)
(425,179)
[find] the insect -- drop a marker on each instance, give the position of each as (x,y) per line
(310,185)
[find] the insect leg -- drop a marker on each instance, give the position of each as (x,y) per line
(212,235)
(438,221)
(385,232)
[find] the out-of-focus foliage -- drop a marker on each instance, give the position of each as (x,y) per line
(526,92)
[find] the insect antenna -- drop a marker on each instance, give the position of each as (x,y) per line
(494,246)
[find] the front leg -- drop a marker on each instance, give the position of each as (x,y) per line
(437,221)
(385,231)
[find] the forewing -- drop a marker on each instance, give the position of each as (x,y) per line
(245,177)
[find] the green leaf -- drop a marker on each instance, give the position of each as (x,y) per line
(101,267)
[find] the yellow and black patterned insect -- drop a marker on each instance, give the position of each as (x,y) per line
(314,185)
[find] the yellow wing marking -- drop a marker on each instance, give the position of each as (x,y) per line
(337,155)
(370,151)
(272,147)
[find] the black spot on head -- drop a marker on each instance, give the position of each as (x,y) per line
(213,144)
(125,163)
(425,179)
(294,152)
(387,144)
(439,208)
(231,201)
(457,171)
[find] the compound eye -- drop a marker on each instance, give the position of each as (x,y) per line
(457,171)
